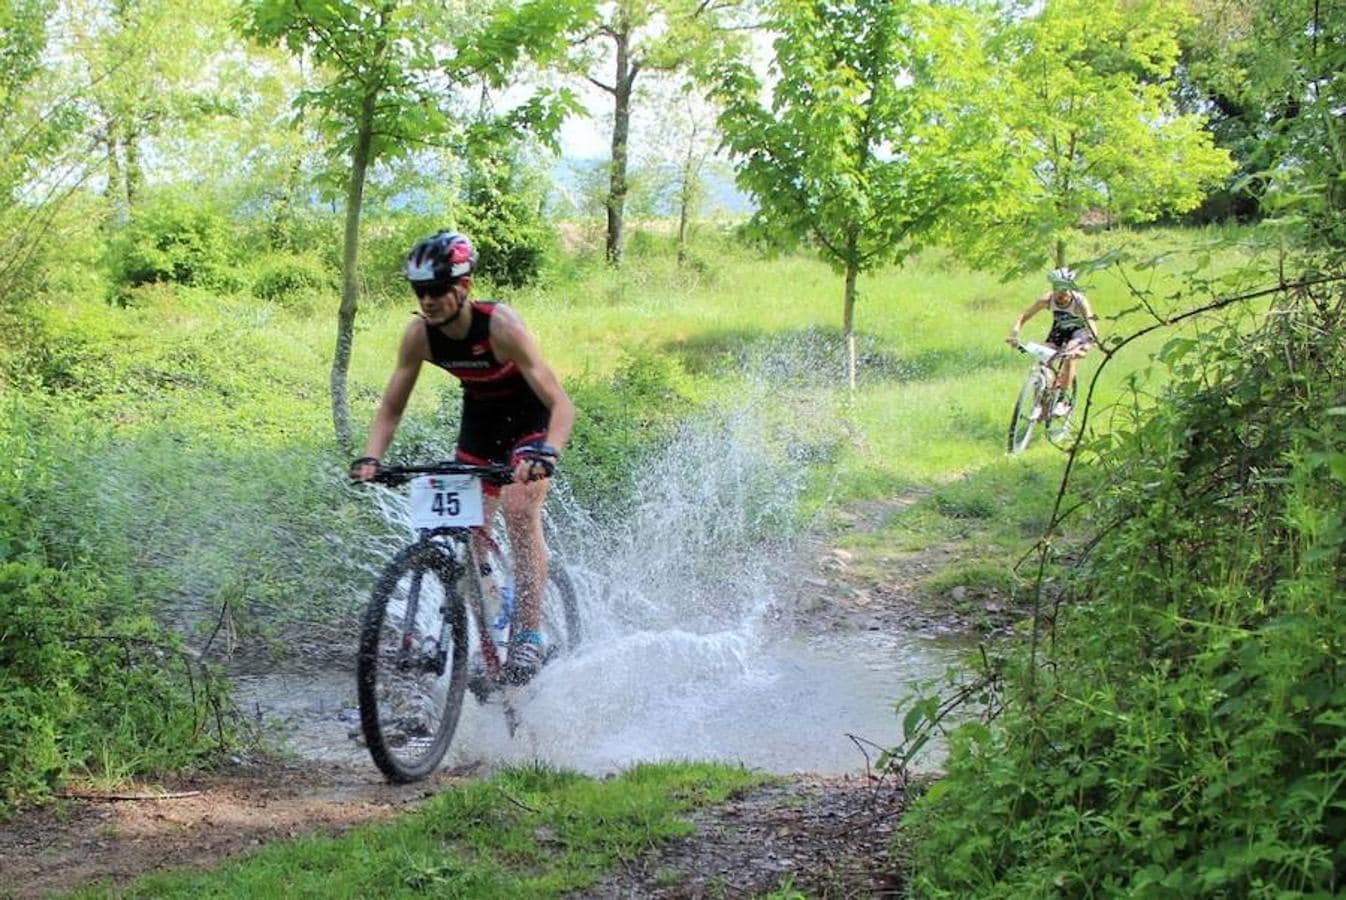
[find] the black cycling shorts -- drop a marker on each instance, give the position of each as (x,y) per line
(1059,337)
(490,432)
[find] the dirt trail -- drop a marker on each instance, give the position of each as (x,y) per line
(204,820)
(822,837)
(829,836)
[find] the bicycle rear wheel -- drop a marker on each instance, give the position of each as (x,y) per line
(1022,422)
(561,611)
(560,607)
(412,663)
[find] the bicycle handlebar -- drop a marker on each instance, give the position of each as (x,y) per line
(395,475)
(1041,352)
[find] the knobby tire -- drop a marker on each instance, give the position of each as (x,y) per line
(1021,426)
(561,591)
(393,701)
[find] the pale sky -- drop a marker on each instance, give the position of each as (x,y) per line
(584,138)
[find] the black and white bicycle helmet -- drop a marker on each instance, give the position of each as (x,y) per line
(1062,279)
(440,257)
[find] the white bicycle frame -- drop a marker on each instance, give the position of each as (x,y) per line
(1041,352)
(1042,372)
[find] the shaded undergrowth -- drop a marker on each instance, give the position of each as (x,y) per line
(1177,724)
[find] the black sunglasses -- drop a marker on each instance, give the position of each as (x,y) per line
(433,288)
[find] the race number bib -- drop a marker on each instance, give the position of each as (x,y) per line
(439,501)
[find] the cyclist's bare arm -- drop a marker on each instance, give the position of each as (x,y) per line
(413,351)
(511,341)
(1037,306)
(1089,318)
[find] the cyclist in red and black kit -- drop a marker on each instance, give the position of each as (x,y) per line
(514,412)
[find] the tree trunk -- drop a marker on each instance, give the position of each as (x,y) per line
(684,213)
(350,285)
(852,270)
(1060,253)
(135,176)
(686,196)
(116,191)
(621,130)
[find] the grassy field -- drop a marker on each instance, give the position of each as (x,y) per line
(936,380)
(224,378)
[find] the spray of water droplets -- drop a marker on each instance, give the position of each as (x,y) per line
(691,648)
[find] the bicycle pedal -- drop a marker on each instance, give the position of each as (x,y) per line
(481,687)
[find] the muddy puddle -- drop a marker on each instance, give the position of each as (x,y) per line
(788,705)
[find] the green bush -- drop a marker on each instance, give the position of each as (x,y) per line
(179,238)
(302,231)
(287,279)
(503,214)
(1187,734)
(620,423)
(383,251)
(88,683)
(84,693)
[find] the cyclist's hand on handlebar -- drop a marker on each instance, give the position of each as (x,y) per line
(366,468)
(533,462)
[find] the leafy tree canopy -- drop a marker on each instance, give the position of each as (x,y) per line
(863,143)
(866,142)
(1086,116)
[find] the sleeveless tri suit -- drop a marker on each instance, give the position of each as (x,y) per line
(1068,322)
(500,409)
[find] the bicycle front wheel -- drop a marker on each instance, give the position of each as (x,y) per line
(1026,411)
(1058,428)
(412,663)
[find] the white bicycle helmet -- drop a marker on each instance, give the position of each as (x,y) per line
(440,257)
(1062,279)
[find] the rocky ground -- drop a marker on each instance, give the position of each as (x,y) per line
(822,837)
(819,837)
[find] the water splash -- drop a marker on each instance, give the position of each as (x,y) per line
(692,646)
(713,520)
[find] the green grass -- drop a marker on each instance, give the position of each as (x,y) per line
(528,832)
(247,378)
(936,381)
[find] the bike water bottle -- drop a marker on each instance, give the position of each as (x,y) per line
(500,628)
(499,608)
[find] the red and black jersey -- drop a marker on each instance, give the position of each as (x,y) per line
(471,360)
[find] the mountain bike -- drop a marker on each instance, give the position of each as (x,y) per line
(432,611)
(1039,397)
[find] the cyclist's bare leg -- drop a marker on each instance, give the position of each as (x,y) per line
(522,506)
(1076,349)
(1044,404)
(1066,377)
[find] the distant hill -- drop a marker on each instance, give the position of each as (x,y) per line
(571,176)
